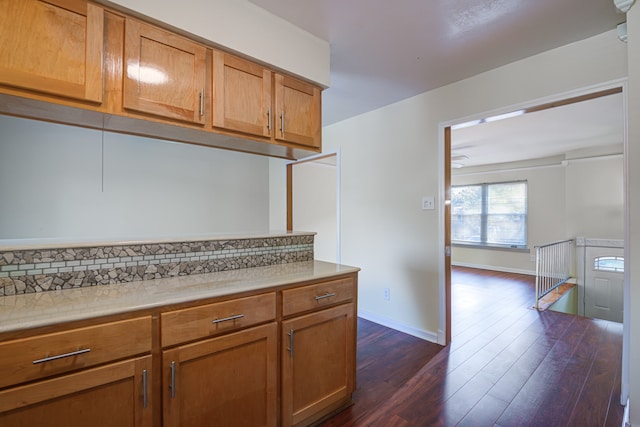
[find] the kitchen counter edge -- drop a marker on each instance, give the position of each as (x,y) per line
(27,311)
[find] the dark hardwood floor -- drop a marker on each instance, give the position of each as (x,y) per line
(507,365)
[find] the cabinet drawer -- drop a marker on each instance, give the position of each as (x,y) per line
(317,295)
(41,356)
(193,323)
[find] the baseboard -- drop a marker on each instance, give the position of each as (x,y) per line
(625,418)
(389,323)
(495,268)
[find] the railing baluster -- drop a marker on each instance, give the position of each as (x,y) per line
(553,267)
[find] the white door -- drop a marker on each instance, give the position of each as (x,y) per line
(604,279)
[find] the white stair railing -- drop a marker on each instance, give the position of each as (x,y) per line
(553,267)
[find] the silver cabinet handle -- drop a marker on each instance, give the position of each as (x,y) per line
(144,389)
(269,119)
(173,379)
(226,319)
(282,123)
(61,356)
(291,331)
(202,102)
(327,295)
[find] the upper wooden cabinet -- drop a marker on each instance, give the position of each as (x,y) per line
(53,46)
(241,95)
(164,73)
(298,111)
(78,63)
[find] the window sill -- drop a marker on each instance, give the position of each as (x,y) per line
(511,248)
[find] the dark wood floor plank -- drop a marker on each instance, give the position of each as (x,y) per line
(501,364)
(615,412)
(544,381)
(508,365)
(519,373)
(566,391)
(591,409)
(485,413)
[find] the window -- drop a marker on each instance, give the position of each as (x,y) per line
(490,214)
(609,263)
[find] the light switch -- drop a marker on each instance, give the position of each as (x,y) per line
(428,203)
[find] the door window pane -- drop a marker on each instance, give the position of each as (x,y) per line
(609,263)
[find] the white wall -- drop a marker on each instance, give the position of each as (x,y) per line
(243,27)
(277,194)
(585,198)
(632,310)
(391,158)
(61,182)
(546,218)
(595,199)
(315,204)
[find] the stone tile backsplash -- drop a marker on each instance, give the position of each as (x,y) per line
(38,270)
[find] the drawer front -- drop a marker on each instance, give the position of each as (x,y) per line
(41,356)
(203,321)
(316,296)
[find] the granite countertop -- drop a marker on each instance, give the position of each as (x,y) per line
(50,243)
(38,309)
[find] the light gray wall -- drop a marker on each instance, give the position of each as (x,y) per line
(595,198)
(584,198)
(546,218)
(314,205)
(391,158)
(244,27)
(65,182)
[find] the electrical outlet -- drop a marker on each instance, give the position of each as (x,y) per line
(387,294)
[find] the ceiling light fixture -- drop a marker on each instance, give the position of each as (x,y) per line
(458,157)
(504,116)
(466,124)
(624,5)
(622,32)
(488,119)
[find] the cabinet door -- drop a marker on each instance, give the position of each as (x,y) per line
(53,46)
(226,381)
(318,363)
(115,395)
(298,111)
(164,73)
(241,95)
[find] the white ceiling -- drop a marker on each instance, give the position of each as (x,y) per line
(384,51)
(561,131)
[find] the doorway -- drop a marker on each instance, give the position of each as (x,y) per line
(466,151)
(313,202)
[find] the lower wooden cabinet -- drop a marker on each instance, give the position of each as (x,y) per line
(283,356)
(114,395)
(226,381)
(318,364)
